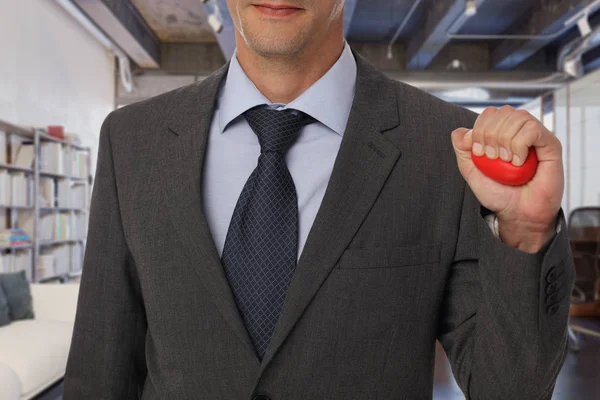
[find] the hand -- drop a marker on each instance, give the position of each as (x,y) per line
(526,214)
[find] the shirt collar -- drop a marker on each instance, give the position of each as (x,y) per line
(328,100)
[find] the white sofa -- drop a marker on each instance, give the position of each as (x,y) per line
(33,353)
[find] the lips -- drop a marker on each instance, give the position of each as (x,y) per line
(276,10)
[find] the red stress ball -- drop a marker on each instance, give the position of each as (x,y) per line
(505,172)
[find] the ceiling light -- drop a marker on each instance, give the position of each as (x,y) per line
(574,67)
(456,65)
(215,22)
(214,19)
(584,26)
(470,8)
(470,94)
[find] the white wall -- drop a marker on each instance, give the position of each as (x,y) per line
(534,107)
(52,71)
(560,130)
(578,126)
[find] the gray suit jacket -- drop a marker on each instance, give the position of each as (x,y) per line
(398,256)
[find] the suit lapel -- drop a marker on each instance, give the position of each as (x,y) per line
(364,162)
(182,148)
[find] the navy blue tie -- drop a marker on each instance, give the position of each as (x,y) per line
(261,247)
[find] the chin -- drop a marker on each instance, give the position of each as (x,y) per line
(274,49)
(275,45)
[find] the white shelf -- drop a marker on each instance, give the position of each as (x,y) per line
(61,176)
(52,278)
(48,243)
(61,277)
(17,207)
(11,167)
(62,209)
(74,274)
(48,138)
(17,247)
(17,130)
(39,208)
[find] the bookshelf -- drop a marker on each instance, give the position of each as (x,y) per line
(45,189)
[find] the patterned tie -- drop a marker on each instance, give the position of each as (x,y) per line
(261,247)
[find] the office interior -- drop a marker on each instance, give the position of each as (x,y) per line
(66,64)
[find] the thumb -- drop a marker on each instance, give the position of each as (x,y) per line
(462,141)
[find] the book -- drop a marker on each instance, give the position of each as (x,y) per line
(5,186)
(51,157)
(47,192)
(14,237)
(25,155)
(19,189)
(25,221)
(3,147)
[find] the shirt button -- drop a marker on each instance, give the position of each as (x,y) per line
(261,397)
(551,275)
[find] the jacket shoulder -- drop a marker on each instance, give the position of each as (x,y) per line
(432,108)
(150,112)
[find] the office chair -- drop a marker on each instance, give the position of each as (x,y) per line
(584,234)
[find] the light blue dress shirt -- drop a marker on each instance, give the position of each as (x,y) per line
(233,149)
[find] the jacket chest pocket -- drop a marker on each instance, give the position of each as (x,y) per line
(390,257)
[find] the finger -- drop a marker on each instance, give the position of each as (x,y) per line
(527,136)
(534,134)
(508,129)
(479,130)
(493,130)
(462,140)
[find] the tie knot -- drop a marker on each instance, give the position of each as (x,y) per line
(276,130)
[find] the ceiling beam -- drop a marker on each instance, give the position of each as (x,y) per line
(439,20)
(124,25)
(591,60)
(349,8)
(499,87)
(546,18)
(514,81)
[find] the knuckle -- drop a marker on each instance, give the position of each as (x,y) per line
(507,108)
(519,144)
(491,137)
(532,125)
(489,110)
(523,113)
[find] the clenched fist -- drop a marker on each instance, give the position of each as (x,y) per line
(526,214)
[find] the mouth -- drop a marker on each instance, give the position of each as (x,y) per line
(276,10)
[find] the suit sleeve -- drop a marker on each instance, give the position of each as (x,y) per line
(504,318)
(106,360)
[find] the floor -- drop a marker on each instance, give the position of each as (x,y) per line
(578,380)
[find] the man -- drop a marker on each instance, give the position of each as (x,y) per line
(298,226)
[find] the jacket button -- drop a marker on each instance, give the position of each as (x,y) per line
(551,288)
(551,310)
(261,397)
(552,298)
(551,275)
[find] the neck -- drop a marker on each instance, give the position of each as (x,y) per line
(283,79)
